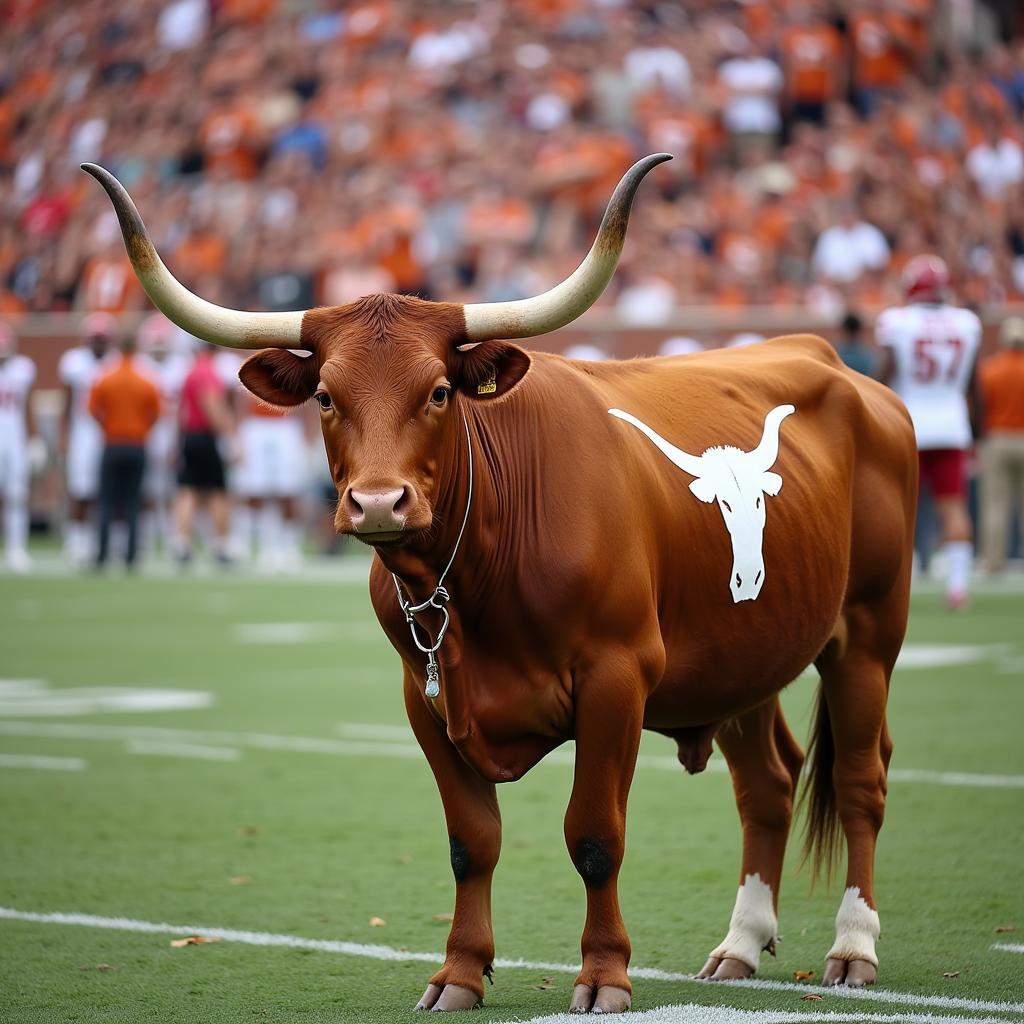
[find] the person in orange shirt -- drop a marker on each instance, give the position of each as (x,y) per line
(126,404)
(811,55)
(1001,377)
(885,48)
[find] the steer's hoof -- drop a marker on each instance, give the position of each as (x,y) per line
(608,999)
(451,997)
(724,969)
(851,973)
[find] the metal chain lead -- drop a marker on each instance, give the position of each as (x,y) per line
(440,597)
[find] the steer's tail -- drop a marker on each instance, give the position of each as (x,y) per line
(821,828)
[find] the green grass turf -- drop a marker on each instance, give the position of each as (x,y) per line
(330,841)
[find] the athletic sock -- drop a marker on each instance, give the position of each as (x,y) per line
(16,529)
(291,533)
(77,542)
(959,555)
(269,532)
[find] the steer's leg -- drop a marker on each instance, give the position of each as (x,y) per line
(855,676)
(609,717)
(474,831)
(764,761)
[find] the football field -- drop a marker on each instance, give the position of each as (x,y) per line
(227,757)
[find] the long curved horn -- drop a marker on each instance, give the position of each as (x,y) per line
(526,318)
(692,464)
(764,455)
(230,327)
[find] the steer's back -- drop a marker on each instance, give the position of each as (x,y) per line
(839,525)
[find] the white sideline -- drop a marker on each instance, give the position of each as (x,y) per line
(395,748)
(697,1013)
(374,952)
(53,764)
(1009,947)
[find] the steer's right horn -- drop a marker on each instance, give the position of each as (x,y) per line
(558,306)
(230,327)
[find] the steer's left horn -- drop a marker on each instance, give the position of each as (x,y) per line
(526,318)
(230,327)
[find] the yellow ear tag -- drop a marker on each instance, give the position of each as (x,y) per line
(489,386)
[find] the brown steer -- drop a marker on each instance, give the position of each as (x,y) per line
(658,544)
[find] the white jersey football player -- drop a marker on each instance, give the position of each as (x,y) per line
(17,374)
(81,434)
(163,361)
(930,351)
(272,475)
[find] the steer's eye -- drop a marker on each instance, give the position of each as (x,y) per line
(439,396)
(323,399)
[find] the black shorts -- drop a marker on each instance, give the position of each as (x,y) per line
(200,465)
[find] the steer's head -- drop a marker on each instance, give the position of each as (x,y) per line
(392,375)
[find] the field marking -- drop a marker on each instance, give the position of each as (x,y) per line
(922,656)
(271,633)
(53,764)
(1009,947)
(193,751)
(389,953)
(411,752)
(33,698)
(698,1013)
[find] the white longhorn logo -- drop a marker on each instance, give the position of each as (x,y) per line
(738,480)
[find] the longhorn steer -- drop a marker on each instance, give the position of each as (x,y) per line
(586,596)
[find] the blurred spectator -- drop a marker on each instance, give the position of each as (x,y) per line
(271,475)
(206,427)
(852,346)
(680,346)
(17,374)
(1001,377)
(845,251)
(81,439)
(587,353)
(812,60)
(126,404)
(997,163)
(886,43)
(160,357)
(752,82)
(929,352)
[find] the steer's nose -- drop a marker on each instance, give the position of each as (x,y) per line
(377,511)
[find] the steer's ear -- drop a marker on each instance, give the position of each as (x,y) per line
(703,489)
(488,369)
(771,483)
(280,377)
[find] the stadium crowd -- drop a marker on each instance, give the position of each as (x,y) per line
(294,152)
(289,153)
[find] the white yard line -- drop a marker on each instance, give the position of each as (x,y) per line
(1009,947)
(53,764)
(395,748)
(280,633)
(696,1013)
(193,751)
(389,953)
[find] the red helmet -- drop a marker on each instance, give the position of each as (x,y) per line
(926,279)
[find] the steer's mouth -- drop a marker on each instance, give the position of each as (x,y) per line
(383,537)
